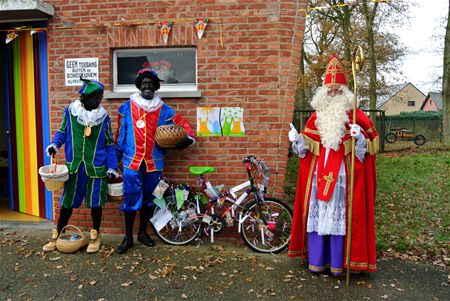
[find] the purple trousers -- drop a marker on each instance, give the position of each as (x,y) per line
(326,252)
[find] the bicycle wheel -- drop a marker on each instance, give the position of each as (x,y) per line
(272,237)
(183,227)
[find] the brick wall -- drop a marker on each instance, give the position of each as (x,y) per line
(256,69)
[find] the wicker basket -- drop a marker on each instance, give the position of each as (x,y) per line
(115,192)
(54,176)
(169,136)
(71,242)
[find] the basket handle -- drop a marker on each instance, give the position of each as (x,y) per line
(73,226)
(53,170)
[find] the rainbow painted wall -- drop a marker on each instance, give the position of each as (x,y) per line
(28,119)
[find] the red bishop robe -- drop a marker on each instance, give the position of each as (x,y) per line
(363,253)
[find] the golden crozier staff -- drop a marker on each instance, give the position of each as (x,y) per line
(357,62)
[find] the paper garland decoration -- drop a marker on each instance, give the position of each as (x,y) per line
(37,30)
(200,26)
(164,29)
(220,121)
(11,35)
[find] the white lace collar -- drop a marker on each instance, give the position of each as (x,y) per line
(85,117)
(147,105)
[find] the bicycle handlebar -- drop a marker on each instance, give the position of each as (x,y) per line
(249,159)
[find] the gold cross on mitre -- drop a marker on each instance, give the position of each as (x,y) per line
(335,72)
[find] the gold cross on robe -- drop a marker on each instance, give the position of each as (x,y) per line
(329,178)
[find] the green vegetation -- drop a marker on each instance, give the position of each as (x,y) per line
(419,115)
(412,205)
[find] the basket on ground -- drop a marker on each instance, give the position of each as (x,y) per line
(169,136)
(54,176)
(70,241)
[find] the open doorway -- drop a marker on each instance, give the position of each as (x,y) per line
(7,208)
(24,128)
(4,140)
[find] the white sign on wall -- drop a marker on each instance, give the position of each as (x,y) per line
(87,68)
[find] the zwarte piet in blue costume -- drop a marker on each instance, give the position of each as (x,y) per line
(143,159)
(90,157)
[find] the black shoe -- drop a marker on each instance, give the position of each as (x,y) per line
(126,244)
(144,238)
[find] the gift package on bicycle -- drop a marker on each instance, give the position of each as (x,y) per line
(184,214)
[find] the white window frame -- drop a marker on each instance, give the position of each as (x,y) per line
(164,87)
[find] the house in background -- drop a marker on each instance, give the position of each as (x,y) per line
(404,98)
(433,102)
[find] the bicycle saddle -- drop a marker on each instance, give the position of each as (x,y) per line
(201,170)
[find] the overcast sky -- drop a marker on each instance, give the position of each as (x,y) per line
(424,66)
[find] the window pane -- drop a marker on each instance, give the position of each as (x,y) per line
(174,66)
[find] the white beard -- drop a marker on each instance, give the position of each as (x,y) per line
(332,115)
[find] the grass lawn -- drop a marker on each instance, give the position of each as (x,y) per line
(412,205)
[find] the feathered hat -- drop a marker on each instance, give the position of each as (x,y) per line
(90,86)
(149,71)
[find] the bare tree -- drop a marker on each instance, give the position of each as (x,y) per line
(369,15)
(340,29)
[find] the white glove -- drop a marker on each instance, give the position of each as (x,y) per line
(355,130)
(293,134)
(51,150)
(112,173)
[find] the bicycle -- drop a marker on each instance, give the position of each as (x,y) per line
(264,223)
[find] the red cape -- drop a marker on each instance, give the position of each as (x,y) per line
(363,249)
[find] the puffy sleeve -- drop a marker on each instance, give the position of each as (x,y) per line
(176,118)
(111,161)
(180,121)
(300,147)
(60,136)
(120,137)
